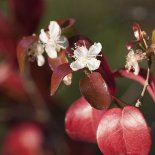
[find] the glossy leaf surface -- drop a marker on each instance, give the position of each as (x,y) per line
(61,59)
(95,90)
(82,120)
(123,131)
(58,74)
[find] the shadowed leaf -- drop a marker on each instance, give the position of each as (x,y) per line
(139,78)
(58,74)
(27,14)
(22,49)
(107,74)
(95,90)
(61,59)
(123,131)
(67,26)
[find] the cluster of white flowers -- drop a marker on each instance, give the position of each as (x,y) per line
(86,57)
(132,60)
(51,42)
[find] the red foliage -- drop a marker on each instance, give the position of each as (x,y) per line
(82,120)
(26,14)
(95,90)
(123,131)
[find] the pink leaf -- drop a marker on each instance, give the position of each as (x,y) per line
(139,78)
(82,120)
(58,74)
(123,131)
(95,90)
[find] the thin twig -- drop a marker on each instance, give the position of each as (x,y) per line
(138,103)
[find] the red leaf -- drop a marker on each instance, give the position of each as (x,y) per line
(22,50)
(107,74)
(67,26)
(66,23)
(61,59)
(82,120)
(123,132)
(95,90)
(27,14)
(139,78)
(58,74)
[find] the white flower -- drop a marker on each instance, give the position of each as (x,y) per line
(52,41)
(86,57)
(132,60)
(39,56)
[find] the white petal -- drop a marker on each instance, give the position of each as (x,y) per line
(80,52)
(136,68)
(40,60)
(76,65)
(63,42)
(67,79)
(95,49)
(43,36)
(93,64)
(54,30)
(51,51)
(39,49)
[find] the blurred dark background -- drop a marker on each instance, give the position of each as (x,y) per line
(109,22)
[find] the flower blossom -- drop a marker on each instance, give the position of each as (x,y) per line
(86,57)
(52,42)
(132,60)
